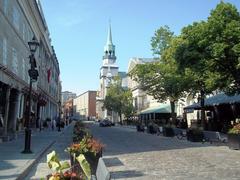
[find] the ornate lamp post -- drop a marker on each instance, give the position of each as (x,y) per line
(33,74)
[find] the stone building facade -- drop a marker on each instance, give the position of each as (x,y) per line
(66,95)
(84,105)
(20,21)
(141,100)
(67,109)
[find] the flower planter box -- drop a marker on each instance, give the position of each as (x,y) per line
(80,177)
(91,159)
(168,132)
(234,141)
(195,136)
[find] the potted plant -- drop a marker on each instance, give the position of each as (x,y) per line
(234,137)
(195,135)
(90,148)
(79,131)
(59,168)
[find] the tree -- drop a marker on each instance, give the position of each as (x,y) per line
(127,99)
(223,44)
(209,51)
(161,40)
(161,79)
(119,99)
(191,56)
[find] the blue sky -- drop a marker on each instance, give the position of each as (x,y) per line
(78,29)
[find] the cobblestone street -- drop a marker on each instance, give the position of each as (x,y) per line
(132,155)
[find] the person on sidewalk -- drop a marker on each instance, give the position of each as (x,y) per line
(53,124)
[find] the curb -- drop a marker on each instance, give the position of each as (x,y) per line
(33,162)
(37,158)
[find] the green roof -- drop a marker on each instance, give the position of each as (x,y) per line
(163,108)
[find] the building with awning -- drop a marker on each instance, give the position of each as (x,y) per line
(221,110)
(163,108)
(160,113)
(219,99)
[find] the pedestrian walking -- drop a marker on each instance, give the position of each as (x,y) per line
(53,124)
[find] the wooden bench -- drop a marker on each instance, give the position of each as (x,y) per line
(102,172)
(214,136)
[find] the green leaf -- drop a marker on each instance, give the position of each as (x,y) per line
(51,156)
(55,166)
(84,165)
(64,165)
(53,161)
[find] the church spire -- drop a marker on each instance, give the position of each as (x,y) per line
(109,38)
(109,48)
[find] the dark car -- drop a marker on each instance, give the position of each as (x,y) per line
(105,123)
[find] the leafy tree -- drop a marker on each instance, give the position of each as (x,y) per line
(223,44)
(161,40)
(128,108)
(210,51)
(119,99)
(191,56)
(161,79)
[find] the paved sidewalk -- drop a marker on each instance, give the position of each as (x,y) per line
(14,164)
(40,169)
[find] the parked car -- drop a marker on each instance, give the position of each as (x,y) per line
(105,123)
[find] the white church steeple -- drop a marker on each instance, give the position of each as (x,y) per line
(108,71)
(109,38)
(109,68)
(109,48)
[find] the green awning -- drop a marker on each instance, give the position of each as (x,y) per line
(216,100)
(163,108)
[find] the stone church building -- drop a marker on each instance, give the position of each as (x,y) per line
(108,71)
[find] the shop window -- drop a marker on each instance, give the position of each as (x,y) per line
(1,50)
(24,32)
(14,61)
(23,69)
(5,6)
(15,18)
(4,51)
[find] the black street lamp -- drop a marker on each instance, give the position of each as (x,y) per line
(33,74)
